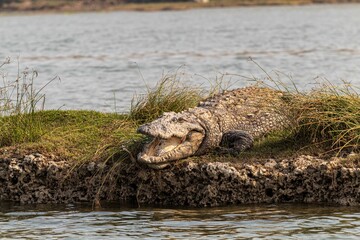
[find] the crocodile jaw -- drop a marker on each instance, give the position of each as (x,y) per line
(160,151)
(175,136)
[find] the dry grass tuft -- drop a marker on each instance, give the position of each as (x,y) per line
(169,94)
(329,116)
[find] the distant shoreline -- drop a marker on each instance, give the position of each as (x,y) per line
(63,6)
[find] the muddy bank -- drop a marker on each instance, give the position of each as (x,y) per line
(35,178)
(133,5)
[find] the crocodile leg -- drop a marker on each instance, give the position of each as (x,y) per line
(236,141)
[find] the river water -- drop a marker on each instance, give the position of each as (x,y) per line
(103,59)
(287,221)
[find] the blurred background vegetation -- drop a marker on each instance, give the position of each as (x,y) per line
(79,5)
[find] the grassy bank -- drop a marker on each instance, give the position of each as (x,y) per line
(327,121)
(98,5)
(79,136)
(72,135)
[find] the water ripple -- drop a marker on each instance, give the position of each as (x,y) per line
(286,221)
(95,53)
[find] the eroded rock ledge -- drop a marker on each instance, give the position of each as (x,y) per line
(35,178)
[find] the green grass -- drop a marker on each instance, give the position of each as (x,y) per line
(77,136)
(20,128)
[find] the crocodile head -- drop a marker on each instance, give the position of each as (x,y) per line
(174,136)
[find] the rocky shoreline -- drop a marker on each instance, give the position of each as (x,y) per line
(35,178)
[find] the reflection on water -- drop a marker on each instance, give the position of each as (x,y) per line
(107,57)
(287,221)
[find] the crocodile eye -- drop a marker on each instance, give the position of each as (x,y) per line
(181,120)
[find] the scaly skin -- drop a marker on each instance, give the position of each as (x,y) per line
(231,121)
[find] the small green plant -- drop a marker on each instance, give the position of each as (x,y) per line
(19,96)
(20,99)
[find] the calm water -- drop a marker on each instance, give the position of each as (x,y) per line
(102,57)
(115,222)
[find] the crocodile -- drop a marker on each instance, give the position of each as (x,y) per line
(230,121)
